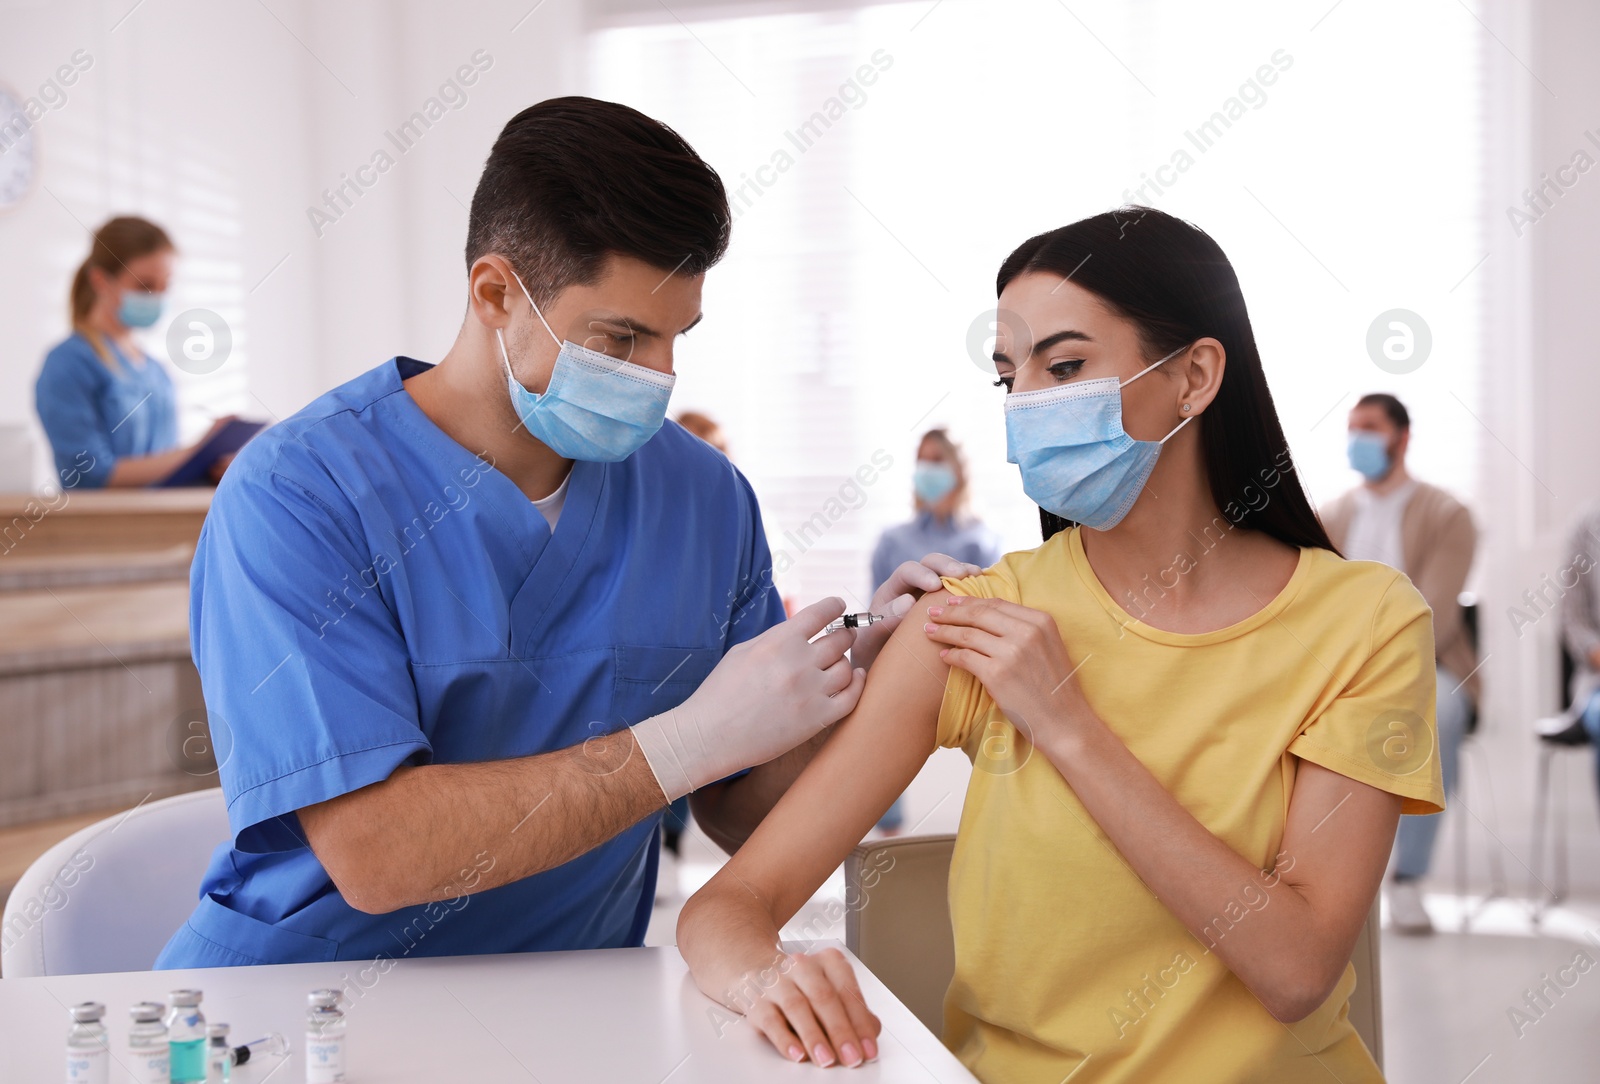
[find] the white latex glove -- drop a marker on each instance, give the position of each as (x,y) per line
(905,585)
(765,697)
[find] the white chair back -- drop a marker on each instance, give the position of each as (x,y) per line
(108,897)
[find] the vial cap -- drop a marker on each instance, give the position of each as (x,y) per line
(87,1012)
(216,1031)
(184,997)
(145,1012)
(324,999)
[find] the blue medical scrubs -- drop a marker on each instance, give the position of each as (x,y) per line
(367,594)
(94,413)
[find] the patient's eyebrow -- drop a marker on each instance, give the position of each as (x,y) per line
(1060,337)
(1068,335)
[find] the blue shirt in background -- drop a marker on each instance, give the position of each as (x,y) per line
(968,540)
(367,593)
(94,413)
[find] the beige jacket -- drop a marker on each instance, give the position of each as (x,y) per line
(1437,540)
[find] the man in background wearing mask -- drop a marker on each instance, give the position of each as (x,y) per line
(465,629)
(1424,532)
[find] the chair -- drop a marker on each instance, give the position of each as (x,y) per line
(1555,734)
(109,896)
(898,925)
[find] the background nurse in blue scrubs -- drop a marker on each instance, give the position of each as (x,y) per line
(465,629)
(108,408)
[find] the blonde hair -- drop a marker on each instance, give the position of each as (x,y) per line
(958,463)
(117,243)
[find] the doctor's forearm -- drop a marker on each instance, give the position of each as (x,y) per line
(438,831)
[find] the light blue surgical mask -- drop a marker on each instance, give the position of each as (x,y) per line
(933,482)
(1369,454)
(1076,460)
(596,408)
(139,308)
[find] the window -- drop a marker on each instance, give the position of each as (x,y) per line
(882,160)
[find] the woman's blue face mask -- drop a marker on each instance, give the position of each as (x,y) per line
(139,308)
(1076,459)
(932,481)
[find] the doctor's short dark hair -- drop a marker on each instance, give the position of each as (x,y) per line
(573,180)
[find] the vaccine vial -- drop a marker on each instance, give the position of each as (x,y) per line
(186,1037)
(149,1060)
(219,1055)
(88,1056)
(324,1038)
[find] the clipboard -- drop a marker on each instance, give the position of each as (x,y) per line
(225,441)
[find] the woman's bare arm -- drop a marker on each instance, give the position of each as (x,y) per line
(728,932)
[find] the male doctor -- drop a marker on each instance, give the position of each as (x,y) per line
(465,629)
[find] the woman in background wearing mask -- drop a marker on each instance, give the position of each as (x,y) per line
(108,408)
(943,525)
(1193,724)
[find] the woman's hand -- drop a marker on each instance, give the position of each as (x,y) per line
(910,581)
(1017,653)
(809,1007)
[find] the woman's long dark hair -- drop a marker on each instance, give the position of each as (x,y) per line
(1174,282)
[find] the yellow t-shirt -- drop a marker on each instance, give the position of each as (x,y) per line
(1063,957)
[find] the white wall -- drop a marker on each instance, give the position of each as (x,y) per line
(1541,440)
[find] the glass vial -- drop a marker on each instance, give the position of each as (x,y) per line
(149,1060)
(186,1037)
(88,1056)
(324,1038)
(219,1055)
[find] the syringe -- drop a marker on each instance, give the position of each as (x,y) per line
(270,1045)
(855,621)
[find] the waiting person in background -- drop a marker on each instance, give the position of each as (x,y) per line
(108,408)
(704,427)
(942,525)
(1580,628)
(1424,532)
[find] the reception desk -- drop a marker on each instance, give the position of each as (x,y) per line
(100,703)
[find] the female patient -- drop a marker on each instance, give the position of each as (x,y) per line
(1193,725)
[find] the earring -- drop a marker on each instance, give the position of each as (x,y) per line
(1186,408)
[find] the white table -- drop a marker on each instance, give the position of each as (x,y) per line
(615,1016)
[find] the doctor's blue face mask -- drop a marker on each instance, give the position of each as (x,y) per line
(596,408)
(1076,460)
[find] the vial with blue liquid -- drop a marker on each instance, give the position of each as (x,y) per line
(186,1037)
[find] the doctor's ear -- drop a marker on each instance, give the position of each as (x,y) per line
(1200,376)
(490,288)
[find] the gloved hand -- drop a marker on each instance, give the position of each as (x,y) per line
(903,587)
(765,697)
